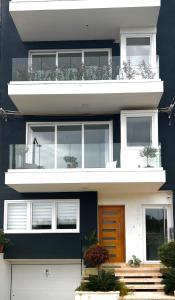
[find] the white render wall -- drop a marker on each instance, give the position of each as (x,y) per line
(134,216)
(5,271)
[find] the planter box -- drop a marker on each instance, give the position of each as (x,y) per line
(97,295)
(90,271)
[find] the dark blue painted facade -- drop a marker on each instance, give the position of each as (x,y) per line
(13,132)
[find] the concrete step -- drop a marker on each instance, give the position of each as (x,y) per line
(138,274)
(145,286)
(141,280)
(138,270)
(147,296)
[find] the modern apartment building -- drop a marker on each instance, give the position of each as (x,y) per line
(86,146)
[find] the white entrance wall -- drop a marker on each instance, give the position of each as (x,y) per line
(134,216)
(43,282)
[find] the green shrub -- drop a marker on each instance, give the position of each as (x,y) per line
(167,254)
(169,281)
(103,282)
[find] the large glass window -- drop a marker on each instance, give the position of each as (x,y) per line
(156,231)
(42,149)
(42,215)
(139,131)
(69,149)
(67,65)
(96,146)
(69,146)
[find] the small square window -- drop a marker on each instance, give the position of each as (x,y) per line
(41,215)
(67,214)
(17,216)
(139,131)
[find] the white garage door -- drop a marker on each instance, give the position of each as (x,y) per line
(45,282)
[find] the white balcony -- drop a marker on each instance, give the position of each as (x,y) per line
(116,180)
(55,20)
(86,89)
(42,168)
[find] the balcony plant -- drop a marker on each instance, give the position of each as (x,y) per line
(145,71)
(71,161)
(4,242)
(148,152)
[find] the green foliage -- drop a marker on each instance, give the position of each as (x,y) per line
(96,255)
(148,152)
(3,240)
(134,261)
(90,239)
(167,254)
(169,281)
(103,282)
(145,71)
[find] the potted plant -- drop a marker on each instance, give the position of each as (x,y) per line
(148,152)
(71,161)
(3,241)
(134,261)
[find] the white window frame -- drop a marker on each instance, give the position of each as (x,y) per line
(136,33)
(169,224)
(29,216)
(57,51)
(55,124)
(139,113)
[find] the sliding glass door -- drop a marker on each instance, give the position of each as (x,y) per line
(156,231)
(83,145)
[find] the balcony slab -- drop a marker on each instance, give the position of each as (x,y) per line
(84,97)
(64,180)
(82,19)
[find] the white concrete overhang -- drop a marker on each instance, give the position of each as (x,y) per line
(55,20)
(85,97)
(117,180)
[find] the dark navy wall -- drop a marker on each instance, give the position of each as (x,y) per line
(55,245)
(13,131)
(166,52)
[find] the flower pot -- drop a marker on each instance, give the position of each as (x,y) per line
(1,248)
(96,295)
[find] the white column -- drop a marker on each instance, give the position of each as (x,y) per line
(4,278)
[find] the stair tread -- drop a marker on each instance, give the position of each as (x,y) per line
(141,279)
(145,286)
(140,274)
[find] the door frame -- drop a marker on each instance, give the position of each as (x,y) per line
(124,224)
(169,225)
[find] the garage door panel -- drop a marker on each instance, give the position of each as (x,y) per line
(43,282)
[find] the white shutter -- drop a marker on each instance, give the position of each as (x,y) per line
(67,214)
(41,215)
(17,216)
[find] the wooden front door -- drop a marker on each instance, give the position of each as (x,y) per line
(112,231)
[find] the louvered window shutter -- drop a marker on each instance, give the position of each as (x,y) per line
(17,216)
(42,215)
(67,214)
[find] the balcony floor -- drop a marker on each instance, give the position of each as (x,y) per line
(84,97)
(63,180)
